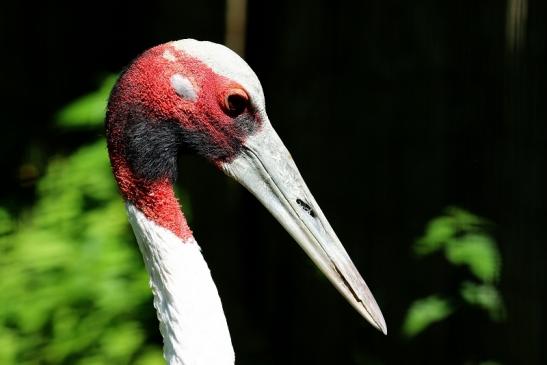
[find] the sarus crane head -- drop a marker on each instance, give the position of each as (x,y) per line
(203,98)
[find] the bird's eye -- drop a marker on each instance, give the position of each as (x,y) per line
(236,102)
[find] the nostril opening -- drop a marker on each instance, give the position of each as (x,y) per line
(306,207)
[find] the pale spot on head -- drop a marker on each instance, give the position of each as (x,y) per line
(183,87)
(169,56)
(225,62)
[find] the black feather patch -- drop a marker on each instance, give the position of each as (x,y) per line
(151,147)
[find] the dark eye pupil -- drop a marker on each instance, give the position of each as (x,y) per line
(236,103)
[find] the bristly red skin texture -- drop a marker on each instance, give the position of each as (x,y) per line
(144,93)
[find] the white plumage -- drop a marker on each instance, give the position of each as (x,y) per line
(186,299)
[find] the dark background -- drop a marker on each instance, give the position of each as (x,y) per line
(393,110)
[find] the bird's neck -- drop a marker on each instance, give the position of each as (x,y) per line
(143,155)
(192,321)
(154,198)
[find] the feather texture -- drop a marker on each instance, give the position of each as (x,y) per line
(186,299)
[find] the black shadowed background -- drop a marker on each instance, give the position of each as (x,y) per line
(420,127)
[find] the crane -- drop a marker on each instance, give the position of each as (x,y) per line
(200,97)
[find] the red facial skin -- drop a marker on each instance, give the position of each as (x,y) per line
(145,88)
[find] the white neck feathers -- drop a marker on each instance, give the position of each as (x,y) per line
(192,321)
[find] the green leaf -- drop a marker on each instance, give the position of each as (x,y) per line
(423,313)
(478,252)
(484,296)
(88,110)
(464,219)
(438,232)
(442,229)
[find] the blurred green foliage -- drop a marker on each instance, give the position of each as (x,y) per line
(73,283)
(424,312)
(464,239)
(88,110)
(485,296)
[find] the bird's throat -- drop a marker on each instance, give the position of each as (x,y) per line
(154,198)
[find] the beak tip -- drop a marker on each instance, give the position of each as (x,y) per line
(383,329)
(372,313)
(380,324)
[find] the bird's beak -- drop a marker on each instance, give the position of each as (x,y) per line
(266,168)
